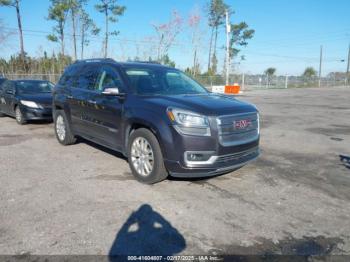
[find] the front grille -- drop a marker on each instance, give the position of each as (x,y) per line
(229,135)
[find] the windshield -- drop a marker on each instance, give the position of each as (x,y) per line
(33,87)
(160,81)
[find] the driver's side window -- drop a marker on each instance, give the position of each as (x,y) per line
(108,78)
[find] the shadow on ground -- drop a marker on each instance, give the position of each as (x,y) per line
(146,232)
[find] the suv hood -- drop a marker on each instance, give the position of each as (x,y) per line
(205,104)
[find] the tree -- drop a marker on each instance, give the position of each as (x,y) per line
(194,23)
(75,7)
(4,34)
(111,11)
(270,71)
(15,4)
(58,12)
(87,25)
(269,74)
(309,73)
(216,18)
(167,33)
(165,60)
(240,34)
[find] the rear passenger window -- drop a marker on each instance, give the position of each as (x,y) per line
(69,76)
(88,77)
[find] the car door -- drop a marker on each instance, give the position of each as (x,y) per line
(79,103)
(106,111)
(8,98)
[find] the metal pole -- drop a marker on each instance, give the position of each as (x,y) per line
(286,83)
(320,69)
(228,30)
(243,81)
(348,67)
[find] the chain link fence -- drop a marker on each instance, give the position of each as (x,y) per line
(253,82)
(246,82)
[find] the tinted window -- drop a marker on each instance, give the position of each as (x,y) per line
(162,81)
(33,87)
(88,77)
(69,76)
(8,85)
(108,78)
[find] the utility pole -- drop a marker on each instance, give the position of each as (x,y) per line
(348,67)
(228,30)
(320,69)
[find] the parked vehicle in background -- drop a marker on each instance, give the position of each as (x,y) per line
(26,100)
(157,116)
(2,80)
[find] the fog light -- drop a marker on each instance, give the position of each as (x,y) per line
(198,156)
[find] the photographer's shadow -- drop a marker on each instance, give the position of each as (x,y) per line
(146,232)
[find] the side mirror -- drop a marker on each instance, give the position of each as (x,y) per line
(114,91)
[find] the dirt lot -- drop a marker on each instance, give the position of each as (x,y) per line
(82,199)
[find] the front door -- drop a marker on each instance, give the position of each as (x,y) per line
(106,111)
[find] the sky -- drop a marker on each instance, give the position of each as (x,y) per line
(288,34)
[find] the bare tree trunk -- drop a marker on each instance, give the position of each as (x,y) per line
(62,39)
(106,36)
(82,42)
(215,41)
(194,62)
(74,35)
(210,46)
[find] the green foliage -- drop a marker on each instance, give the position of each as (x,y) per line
(10,3)
(309,72)
(240,34)
(58,12)
(216,13)
(52,38)
(110,9)
(270,71)
(30,65)
(165,60)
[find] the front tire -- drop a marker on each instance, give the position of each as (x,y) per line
(19,116)
(63,131)
(145,157)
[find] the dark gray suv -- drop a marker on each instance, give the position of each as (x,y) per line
(163,121)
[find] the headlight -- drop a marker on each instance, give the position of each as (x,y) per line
(30,104)
(189,123)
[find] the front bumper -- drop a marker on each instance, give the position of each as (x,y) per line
(36,113)
(223,164)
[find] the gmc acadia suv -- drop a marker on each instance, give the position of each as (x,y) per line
(159,118)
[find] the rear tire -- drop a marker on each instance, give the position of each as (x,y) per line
(145,157)
(63,131)
(19,116)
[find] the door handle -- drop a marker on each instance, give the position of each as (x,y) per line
(92,102)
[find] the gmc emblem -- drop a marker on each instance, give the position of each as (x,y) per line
(242,124)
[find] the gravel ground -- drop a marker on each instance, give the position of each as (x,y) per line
(82,199)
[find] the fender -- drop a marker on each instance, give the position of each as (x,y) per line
(159,126)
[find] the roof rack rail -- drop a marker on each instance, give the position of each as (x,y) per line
(94,60)
(147,62)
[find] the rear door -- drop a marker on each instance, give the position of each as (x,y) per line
(106,111)
(81,88)
(7,98)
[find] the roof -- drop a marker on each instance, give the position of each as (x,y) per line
(123,64)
